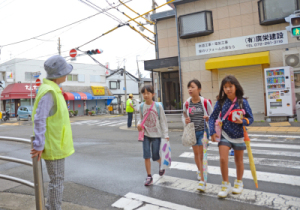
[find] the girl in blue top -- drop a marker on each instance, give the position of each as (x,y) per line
(232,132)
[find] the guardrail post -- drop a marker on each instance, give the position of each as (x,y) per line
(38,181)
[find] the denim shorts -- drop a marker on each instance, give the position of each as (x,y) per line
(154,144)
(234,146)
(199,137)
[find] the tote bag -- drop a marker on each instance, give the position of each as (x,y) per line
(189,135)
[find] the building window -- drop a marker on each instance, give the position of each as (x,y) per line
(274,11)
(95,78)
(196,24)
(28,76)
(72,77)
(113,85)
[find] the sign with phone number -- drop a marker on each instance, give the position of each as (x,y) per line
(241,43)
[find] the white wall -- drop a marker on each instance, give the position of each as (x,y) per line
(131,84)
(19,67)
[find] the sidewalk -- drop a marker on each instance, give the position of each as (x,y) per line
(14,201)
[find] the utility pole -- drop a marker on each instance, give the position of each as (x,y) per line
(155,38)
(59,46)
(139,83)
(124,72)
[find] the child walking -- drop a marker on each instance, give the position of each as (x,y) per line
(197,110)
(231,92)
(155,128)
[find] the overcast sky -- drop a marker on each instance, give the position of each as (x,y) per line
(21,19)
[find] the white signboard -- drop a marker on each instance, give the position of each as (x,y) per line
(9,76)
(242,43)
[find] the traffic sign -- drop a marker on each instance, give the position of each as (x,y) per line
(38,82)
(73,53)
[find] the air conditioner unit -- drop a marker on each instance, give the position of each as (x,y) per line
(292,58)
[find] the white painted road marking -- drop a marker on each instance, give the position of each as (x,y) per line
(276,136)
(258,161)
(266,152)
(141,202)
(261,176)
(268,145)
(259,198)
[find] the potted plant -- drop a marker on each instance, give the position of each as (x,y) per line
(75,112)
(71,113)
(87,112)
(93,113)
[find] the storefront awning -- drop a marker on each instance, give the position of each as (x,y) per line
(19,91)
(238,60)
(71,96)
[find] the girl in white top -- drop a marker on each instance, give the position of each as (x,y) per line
(197,110)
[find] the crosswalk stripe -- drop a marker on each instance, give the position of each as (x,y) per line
(141,202)
(266,152)
(277,136)
(107,123)
(259,198)
(258,161)
(268,145)
(261,176)
(117,124)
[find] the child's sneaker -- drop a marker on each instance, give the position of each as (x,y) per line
(199,175)
(161,172)
(201,186)
(149,181)
(225,190)
(238,187)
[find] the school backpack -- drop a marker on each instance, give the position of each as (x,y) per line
(157,108)
(204,102)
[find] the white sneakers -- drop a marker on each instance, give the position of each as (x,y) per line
(225,190)
(201,186)
(238,187)
(199,175)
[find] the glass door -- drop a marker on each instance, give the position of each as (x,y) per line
(171,90)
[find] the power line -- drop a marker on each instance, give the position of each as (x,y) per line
(9,64)
(25,40)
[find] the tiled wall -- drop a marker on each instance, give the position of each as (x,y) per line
(167,38)
(231,18)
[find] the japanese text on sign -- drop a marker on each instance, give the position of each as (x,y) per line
(242,43)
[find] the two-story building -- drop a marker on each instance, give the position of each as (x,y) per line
(208,39)
(116,84)
(85,87)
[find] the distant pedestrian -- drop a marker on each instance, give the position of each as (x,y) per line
(129,110)
(155,128)
(197,109)
(53,135)
(231,98)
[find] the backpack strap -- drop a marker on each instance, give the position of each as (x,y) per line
(205,104)
(157,109)
(142,106)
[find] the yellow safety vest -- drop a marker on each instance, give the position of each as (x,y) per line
(58,136)
(128,107)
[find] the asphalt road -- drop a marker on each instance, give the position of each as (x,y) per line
(108,167)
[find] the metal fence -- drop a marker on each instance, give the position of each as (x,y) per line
(37,172)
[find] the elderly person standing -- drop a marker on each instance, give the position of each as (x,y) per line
(53,135)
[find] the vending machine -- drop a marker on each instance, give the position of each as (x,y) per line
(280,91)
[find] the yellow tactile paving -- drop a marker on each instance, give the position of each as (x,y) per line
(280,124)
(272,128)
(284,129)
(294,129)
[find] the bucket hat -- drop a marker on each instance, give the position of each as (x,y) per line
(56,67)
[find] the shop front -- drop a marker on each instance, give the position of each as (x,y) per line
(168,85)
(249,70)
(81,101)
(16,95)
